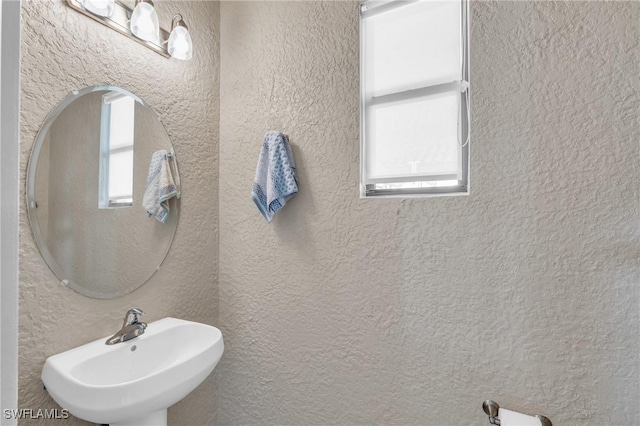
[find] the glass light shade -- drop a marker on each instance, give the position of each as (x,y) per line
(144,22)
(100,7)
(180,46)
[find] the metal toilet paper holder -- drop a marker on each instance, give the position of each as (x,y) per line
(491,408)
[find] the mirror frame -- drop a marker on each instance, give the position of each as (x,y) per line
(30,191)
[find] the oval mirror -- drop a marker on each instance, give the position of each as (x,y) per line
(86,180)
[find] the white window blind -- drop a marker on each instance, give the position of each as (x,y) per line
(414,97)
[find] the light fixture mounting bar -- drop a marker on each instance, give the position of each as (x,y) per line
(119,21)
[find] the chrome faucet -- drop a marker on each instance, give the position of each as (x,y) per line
(131,328)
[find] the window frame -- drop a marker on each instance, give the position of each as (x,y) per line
(105,199)
(368,185)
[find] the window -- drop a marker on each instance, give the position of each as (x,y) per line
(414,97)
(116,150)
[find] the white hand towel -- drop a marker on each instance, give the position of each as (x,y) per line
(275,181)
(161,186)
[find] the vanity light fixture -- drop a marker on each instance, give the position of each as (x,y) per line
(144,21)
(179,44)
(139,24)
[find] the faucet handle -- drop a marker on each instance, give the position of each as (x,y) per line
(132,316)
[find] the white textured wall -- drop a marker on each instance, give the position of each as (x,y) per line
(387,311)
(63,50)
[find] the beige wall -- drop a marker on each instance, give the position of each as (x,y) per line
(63,51)
(388,311)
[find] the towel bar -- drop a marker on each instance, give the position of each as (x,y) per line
(491,408)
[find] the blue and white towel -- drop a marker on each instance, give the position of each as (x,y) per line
(163,183)
(275,181)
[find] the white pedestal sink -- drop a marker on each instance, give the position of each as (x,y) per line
(134,382)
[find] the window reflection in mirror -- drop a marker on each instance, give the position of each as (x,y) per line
(116,151)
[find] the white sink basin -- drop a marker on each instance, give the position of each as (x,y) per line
(134,382)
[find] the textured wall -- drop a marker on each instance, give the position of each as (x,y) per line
(62,51)
(388,311)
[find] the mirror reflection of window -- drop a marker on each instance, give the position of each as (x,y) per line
(116,150)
